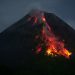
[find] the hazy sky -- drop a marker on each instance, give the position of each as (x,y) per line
(13,10)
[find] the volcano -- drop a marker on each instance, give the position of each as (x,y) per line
(39,42)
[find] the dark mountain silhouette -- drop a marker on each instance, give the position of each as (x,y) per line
(17,42)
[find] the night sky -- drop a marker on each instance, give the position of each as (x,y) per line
(13,10)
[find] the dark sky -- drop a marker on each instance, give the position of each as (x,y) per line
(13,10)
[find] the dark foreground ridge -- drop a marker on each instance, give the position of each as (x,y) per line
(17,42)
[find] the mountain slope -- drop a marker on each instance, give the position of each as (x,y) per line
(62,29)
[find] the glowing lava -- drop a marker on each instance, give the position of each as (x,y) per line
(53,46)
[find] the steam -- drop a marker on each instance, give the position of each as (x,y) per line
(34,6)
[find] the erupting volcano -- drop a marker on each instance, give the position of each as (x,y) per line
(38,35)
(49,43)
(39,44)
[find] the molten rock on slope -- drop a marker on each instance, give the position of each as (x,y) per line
(49,44)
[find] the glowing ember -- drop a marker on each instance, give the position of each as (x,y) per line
(49,52)
(53,45)
(38,49)
(43,19)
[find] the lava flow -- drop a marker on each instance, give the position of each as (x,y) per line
(49,44)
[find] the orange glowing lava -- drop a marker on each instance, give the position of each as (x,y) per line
(53,45)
